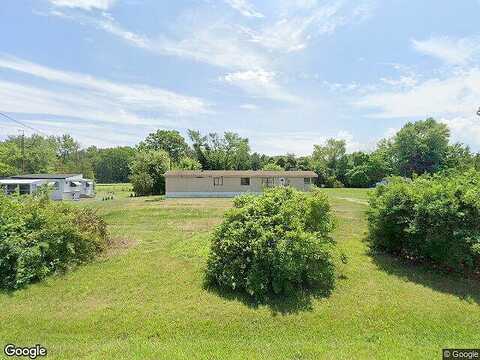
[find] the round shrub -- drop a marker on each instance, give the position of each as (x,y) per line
(39,237)
(276,243)
(434,219)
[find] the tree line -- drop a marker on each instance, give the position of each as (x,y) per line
(417,148)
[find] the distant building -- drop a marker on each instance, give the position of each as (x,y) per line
(64,186)
(229,183)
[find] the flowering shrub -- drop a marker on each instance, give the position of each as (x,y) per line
(433,218)
(39,237)
(276,243)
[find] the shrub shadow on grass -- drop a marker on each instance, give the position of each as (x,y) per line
(155,199)
(284,305)
(464,287)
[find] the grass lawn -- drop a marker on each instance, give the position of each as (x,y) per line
(145,299)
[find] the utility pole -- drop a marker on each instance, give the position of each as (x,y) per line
(23,151)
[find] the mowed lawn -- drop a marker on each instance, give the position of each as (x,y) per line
(145,299)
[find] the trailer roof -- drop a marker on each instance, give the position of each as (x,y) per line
(45,176)
(239,173)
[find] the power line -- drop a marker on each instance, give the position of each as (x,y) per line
(23,124)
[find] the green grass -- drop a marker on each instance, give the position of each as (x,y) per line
(117,190)
(147,301)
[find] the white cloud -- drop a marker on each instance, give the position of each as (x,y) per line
(15,98)
(218,44)
(84,4)
(261,84)
(403,81)
(134,97)
(255,77)
(233,46)
(455,51)
(453,100)
(457,94)
(90,108)
(245,8)
(251,107)
(464,129)
(302,21)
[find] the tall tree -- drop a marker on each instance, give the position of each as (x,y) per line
(329,161)
(215,152)
(148,170)
(170,141)
(37,156)
(421,147)
(113,165)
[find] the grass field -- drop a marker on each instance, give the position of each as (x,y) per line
(145,299)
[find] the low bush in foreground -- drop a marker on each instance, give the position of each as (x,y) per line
(276,243)
(39,237)
(433,218)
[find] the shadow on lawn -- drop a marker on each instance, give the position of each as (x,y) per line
(284,305)
(466,288)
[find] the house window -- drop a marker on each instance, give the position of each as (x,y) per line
(217,181)
(24,189)
(245,181)
(267,181)
(307,180)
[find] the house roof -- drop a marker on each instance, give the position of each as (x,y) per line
(239,173)
(44,176)
(21,181)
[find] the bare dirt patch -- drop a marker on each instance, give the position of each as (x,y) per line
(119,245)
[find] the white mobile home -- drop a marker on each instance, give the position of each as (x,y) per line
(229,183)
(64,186)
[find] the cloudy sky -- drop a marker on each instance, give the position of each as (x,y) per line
(285,73)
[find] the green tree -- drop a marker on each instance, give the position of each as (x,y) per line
(168,140)
(365,169)
(68,149)
(272,167)
(257,161)
(113,165)
(149,168)
(458,156)
(421,147)
(188,163)
(40,154)
(329,161)
(215,152)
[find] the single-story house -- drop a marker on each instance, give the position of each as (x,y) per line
(64,186)
(229,183)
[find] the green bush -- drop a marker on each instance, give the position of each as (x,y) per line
(39,237)
(148,169)
(433,218)
(272,244)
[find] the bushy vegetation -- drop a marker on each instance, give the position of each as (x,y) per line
(432,218)
(39,237)
(273,244)
(148,169)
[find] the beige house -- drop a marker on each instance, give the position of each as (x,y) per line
(229,183)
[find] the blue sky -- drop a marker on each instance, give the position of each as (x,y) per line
(286,74)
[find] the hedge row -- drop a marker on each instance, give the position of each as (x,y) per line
(432,218)
(39,237)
